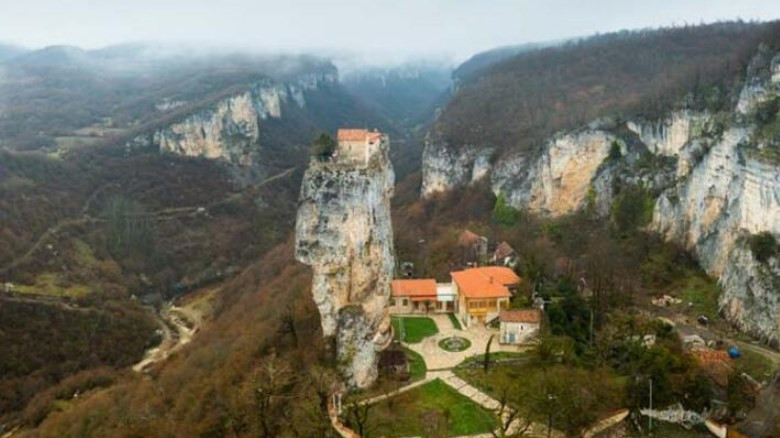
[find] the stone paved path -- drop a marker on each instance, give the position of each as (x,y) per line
(440,363)
(438,359)
(379,398)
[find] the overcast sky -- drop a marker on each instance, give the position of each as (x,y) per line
(417,27)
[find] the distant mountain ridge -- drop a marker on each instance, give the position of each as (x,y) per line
(8,51)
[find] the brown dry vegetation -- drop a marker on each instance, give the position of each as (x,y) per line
(266,336)
(518,102)
(98,323)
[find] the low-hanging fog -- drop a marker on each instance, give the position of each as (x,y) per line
(380,31)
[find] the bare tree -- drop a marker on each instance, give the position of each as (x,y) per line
(273,379)
(358,416)
(511,422)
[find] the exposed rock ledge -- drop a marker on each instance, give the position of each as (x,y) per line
(716,194)
(229,129)
(344,233)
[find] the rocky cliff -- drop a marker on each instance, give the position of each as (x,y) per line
(230,128)
(714,174)
(343,231)
(733,192)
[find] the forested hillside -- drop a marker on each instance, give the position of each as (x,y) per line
(100,230)
(97,236)
(62,96)
(520,101)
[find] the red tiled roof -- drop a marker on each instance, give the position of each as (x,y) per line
(357,135)
(476,283)
(414,288)
(520,315)
(501,274)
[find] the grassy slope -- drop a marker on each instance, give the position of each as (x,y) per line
(434,409)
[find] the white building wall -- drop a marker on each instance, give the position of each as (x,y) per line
(523,332)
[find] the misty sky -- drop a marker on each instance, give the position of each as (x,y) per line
(406,27)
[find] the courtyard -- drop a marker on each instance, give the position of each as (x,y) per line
(436,357)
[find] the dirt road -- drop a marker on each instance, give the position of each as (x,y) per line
(176,331)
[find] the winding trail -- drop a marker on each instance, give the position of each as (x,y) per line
(176,332)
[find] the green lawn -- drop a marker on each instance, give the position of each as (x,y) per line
(496,356)
(497,376)
(433,409)
(416,364)
(455,322)
(526,375)
(415,329)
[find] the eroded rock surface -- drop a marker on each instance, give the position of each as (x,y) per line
(714,184)
(344,233)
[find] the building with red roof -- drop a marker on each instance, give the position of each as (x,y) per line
(517,326)
(421,296)
(482,292)
(358,145)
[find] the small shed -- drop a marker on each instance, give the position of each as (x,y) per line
(504,255)
(517,326)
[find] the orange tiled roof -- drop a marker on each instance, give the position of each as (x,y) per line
(357,135)
(414,288)
(502,274)
(520,315)
(478,283)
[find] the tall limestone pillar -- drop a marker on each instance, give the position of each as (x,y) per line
(344,232)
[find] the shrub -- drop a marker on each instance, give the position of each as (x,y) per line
(763,246)
(503,213)
(324,146)
(632,208)
(614,151)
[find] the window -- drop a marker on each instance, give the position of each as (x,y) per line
(392,301)
(405,302)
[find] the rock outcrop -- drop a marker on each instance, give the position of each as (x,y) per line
(444,167)
(730,194)
(715,186)
(344,233)
(559,180)
(229,129)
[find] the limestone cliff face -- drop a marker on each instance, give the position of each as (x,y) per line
(229,129)
(558,181)
(444,167)
(714,193)
(343,231)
